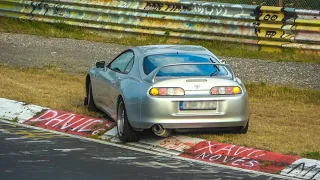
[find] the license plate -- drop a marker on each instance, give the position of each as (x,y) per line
(198,105)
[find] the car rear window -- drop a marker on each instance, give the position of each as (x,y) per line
(154,61)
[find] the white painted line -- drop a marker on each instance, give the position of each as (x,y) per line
(114,159)
(303,168)
(32,161)
(35,151)
(150,152)
(69,150)
(40,141)
(176,166)
(154,148)
(16,138)
(17,111)
(10,154)
(156,165)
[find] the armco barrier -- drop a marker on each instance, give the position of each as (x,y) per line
(288,27)
(258,25)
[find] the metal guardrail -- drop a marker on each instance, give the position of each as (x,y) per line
(288,27)
(300,4)
(266,26)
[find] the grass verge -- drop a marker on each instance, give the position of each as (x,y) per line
(220,48)
(48,86)
(283,119)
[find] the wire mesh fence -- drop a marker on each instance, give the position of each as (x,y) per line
(301,4)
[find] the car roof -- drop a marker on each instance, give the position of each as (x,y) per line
(163,49)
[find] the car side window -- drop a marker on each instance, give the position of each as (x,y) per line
(129,66)
(121,63)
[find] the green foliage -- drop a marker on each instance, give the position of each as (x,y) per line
(15,119)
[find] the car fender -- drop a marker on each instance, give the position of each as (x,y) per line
(132,90)
(246,95)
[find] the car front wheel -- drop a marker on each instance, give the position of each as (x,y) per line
(125,132)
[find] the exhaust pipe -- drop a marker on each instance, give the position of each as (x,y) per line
(160,131)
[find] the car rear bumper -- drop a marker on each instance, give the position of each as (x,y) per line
(194,123)
(231,111)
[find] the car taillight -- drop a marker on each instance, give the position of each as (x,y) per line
(162,91)
(225,90)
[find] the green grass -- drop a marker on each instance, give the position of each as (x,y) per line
(34,123)
(95,137)
(283,93)
(219,48)
(312,155)
(40,112)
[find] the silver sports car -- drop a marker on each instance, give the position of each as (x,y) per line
(165,88)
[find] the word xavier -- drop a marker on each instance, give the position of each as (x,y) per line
(239,156)
(70,123)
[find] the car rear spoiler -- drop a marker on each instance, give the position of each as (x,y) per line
(154,73)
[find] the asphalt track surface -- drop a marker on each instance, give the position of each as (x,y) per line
(35,154)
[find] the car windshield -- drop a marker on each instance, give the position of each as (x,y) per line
(154,61)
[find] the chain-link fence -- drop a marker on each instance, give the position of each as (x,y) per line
(301,4)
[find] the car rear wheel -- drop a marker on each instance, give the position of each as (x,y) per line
(242,130)
(125,131)
(90,102)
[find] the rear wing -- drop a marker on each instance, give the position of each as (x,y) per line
(154,73)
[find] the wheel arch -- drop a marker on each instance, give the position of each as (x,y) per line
(129,115)
(118,100)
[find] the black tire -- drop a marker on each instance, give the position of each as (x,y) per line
(90,102)
(125,131)
(242,130)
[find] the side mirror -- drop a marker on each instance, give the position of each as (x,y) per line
(100,64)
(222,61)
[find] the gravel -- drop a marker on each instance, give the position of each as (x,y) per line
(77,56)
(72,55)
